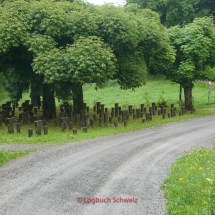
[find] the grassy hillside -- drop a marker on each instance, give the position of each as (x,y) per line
(156,88)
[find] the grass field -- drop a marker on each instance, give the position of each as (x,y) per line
(155,88)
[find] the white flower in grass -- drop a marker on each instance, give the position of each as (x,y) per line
(209,180)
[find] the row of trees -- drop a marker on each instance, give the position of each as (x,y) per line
(56,47)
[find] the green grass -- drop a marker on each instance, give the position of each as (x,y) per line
(7,155)
(190,188)
(156,87)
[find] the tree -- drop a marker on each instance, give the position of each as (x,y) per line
(174,12)
(87,60)
(70,44)
(195,55)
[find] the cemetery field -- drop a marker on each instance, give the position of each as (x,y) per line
(157,89)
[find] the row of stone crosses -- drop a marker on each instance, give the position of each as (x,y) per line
(67,118)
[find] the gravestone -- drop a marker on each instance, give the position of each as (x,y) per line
(86,120)
(30,132)
(27,102)
(31,113)
(98,106)
(162,107)
(10,122)
(153,105)
(130,110)
(142,107)
(44,123)
(172,112)
(110,120)
(64,123)
(4,114)
(82,113)
(32,119)
(56,122)
(85,129)
(35,110)
(85,106)
(18,127)
(125,123)
(1,119)
(94,116)
(62,114)
(115,124)
(45,128)
(38,125)
(25,117)
(37,117)
(25,109)
(100,121)
(102,106)
(106,116)
(138,111)
(92,123)
(70,125)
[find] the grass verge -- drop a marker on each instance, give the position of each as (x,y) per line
(7,155)
(190,188)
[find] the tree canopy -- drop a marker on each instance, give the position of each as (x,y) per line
(174,12)
(69,44)
(195,54)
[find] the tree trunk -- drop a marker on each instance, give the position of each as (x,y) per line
(188,97)
(49,108)
(78,99)
(35,91)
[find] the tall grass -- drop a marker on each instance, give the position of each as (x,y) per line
(190,188)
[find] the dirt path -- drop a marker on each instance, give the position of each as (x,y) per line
(131,165)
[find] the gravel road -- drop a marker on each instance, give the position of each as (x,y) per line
(124,171)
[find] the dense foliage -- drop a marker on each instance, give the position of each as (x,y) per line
(174,12)
(70,44)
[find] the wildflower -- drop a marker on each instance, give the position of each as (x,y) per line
(205,202)
(180,179)
(209,180)
(191,167)
(200,168)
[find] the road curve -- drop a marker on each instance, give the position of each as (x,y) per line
(124,171)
